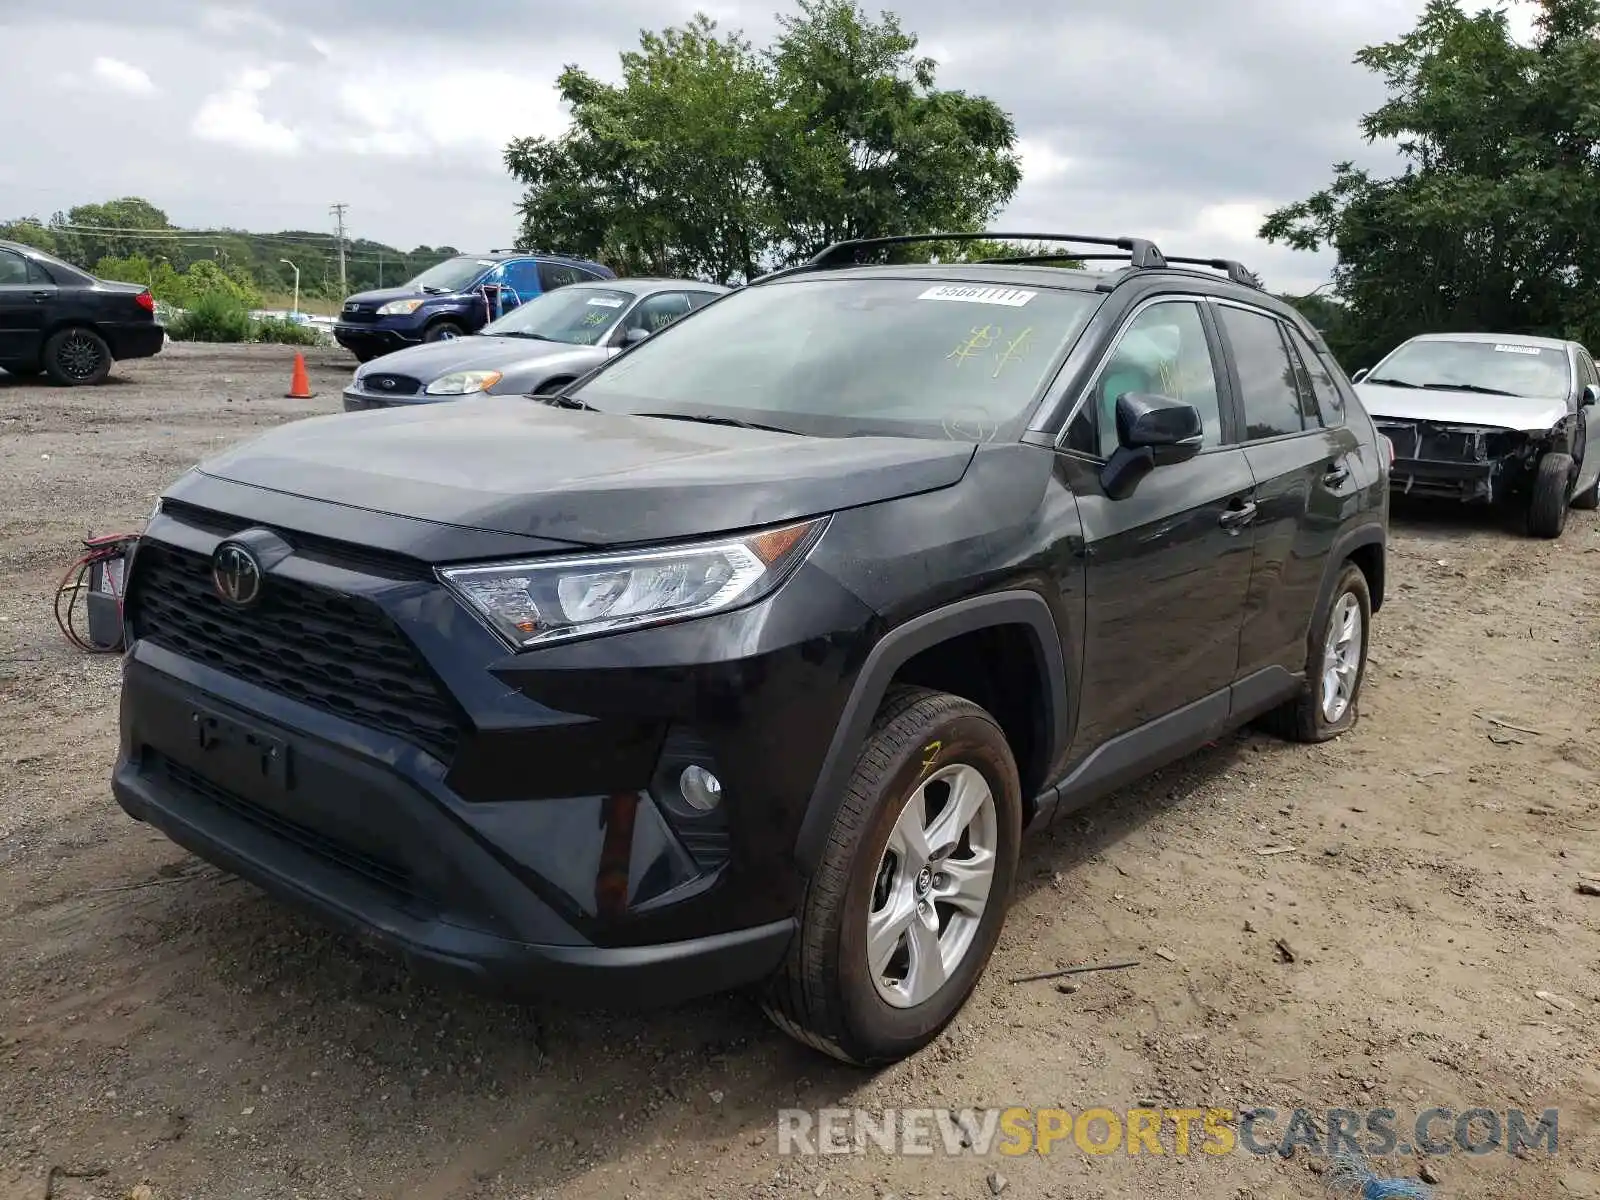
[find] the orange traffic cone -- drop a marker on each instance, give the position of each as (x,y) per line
(300,385)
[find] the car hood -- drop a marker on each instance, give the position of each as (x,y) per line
(430,360)
(1460,408)
(382,295)
(517,466)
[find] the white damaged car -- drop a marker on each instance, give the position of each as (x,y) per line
(1491,418)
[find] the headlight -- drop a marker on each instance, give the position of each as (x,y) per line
(459,383)
(397,308)
(557,599)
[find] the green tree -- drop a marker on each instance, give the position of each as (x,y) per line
(1494,221)
(29,231)
(710,158)
(866,145)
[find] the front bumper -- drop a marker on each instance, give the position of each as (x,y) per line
(273,847)
(526,848)
(374,339)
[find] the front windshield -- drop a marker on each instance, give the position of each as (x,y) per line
(842,357)
(580,316)
(451,275)
(1516,368)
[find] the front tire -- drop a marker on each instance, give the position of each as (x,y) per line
(1551,493)
(1336,665)
(443,331)
(904,910)
(77,356)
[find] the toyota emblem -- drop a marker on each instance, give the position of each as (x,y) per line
(236,574)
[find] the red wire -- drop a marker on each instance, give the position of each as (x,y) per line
(100,549)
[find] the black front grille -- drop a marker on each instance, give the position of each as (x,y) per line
(333,652)
(385,874)
(356,313)
(386,383)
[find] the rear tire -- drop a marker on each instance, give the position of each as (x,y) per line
(1551,494)
(77,356)
(930,759)
(1336,665)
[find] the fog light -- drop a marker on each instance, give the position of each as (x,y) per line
(701,789)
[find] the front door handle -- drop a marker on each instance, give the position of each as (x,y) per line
(1336,474)
(1234,519)
(40,297)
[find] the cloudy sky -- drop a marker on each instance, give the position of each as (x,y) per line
(1174,119)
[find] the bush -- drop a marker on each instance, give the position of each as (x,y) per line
(213,317)
(286,332)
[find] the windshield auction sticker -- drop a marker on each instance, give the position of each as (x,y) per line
(1517,350)
(1010,297)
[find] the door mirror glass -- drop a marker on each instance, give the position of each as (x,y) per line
(1359,375)
(1152,431)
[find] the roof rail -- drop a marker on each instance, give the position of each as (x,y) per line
(1141,253)
(1237,271)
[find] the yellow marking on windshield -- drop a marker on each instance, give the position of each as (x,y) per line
(979,340)
(1012,350)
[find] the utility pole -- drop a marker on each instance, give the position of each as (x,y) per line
(338,215)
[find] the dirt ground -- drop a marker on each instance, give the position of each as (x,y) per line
(164,1027)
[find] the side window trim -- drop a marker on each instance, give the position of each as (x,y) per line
(1233,375)
(1102,359)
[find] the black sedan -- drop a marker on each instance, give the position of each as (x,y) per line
(62,321)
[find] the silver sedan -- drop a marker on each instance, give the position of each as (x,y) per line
(538,347)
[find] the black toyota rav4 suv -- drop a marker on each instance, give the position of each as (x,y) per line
(749,659)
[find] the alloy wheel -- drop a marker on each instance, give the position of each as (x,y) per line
(932,885)
(79,356)
(1341,658)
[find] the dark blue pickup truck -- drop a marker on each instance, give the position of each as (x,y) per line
(454,298)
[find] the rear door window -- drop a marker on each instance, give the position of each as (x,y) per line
(555,275)
(1269,385)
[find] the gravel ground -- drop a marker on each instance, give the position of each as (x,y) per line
(166,1031)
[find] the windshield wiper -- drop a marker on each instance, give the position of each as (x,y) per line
(538,337)
(1389,382)
(1468,387)
(433,291)
(557,400)
(709,419)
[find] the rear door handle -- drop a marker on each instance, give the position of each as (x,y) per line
(1335,475)
(1238,518)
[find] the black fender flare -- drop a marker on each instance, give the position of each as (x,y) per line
(1370,534)
(893,650)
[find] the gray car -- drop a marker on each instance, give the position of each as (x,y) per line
(539,347)
(1491,417)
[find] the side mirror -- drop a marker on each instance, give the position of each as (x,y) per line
(1152,431)
(635,335)
(1359,375)
(1591,395)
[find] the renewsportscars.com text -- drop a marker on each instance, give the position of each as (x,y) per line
(1373,1132)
